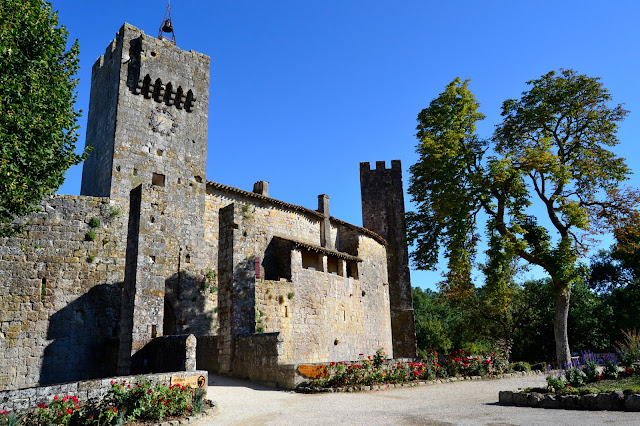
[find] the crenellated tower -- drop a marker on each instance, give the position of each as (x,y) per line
(383,213)
(147,124)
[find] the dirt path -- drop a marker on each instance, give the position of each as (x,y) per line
(464,403)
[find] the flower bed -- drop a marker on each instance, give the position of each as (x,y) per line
(138,401)
(376,372)
(591,382)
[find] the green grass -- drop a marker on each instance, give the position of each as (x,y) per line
(628,385)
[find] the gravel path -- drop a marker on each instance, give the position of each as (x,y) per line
(459,403)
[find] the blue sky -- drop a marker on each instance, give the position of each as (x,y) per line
(303,91)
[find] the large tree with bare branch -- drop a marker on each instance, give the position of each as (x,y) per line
(549,157)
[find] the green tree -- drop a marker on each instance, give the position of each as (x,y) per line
(433,321)
(615,276)
(551,148)
(37,117)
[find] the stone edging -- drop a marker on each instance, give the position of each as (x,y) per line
(308,389)
(213,408)
(613,401)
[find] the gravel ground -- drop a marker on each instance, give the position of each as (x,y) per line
(459,403)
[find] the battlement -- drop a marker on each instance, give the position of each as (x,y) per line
(396,165)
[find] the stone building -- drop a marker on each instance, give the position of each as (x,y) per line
(151,249)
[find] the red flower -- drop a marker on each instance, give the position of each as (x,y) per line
(69,411)
(55,397)
(76,407)
(59,413)
(41,405)
(64,399)
(90,416)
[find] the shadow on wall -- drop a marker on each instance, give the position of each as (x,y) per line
(185,305)
(85,337)
(185,312)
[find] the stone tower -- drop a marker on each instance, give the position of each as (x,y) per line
(383,213)
(147,125)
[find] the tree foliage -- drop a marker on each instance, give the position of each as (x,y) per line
(615,276)
(551,153)
(37,115)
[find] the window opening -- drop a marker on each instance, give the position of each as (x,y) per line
(310,260)
(157,180)
(352,270)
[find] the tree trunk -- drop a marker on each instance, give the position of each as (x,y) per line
(563,355)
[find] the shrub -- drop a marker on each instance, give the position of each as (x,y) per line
(574,377)
(94,222)
(145,401)
(114,211)
(499,360)
(61,411)
(9,419)
(90,235)
(539,366)
(590,370)
(520,366)
(555,383)
(611,367)
(629,350)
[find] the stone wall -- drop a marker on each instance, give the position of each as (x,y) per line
(327,316)
(60,293)
(328,303)
(167,353)
(22,399)
(207,353)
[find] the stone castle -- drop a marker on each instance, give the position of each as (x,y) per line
(113,281)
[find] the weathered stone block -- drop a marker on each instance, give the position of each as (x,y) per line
(632,403)
(505,397)
(570,402)
(550,401)
(521,399)
(589,401)
(534,399)
(610,401)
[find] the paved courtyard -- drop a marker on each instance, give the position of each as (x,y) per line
(459,403)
